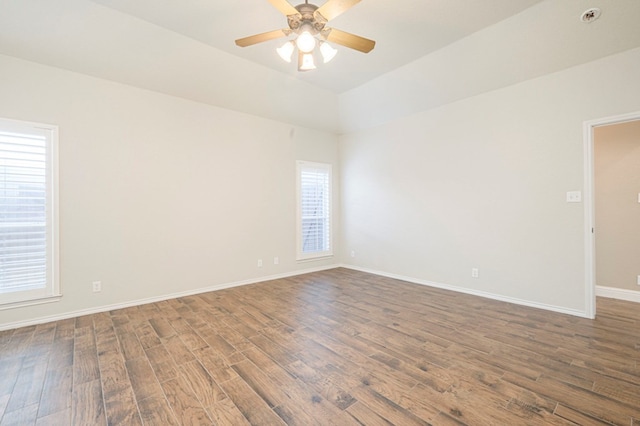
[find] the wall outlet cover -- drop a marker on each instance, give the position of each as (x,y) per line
(574,197)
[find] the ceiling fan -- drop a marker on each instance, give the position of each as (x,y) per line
(307,26)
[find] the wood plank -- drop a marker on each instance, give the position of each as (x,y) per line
(55,419)
(205,387)
(28,388)
(386,408)
(25,415)
(583,401)
(303,401)
(57,391)
(162,327)
(261,384)
(214,340)
(177,349)
(216,365)
(162,364)
(84,321)
(120,406)
(364,415)
(87,407)
(253,408)
(185,403)
(156,411)
(65,329)
(146,335)
(121,409)
(618,390)
(4,400)
(143,380)
(225,413)
(131,347)
(85,366)
(190,338)
(9,370)
(576,417)
(61,353)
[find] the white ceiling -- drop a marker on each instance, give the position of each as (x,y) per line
(404,30)
(186,48)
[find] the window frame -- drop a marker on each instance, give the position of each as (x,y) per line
(300,254)
(51,292)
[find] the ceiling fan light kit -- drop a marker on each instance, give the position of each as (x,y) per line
(306,42)
(306,62)
(308,30)
(286,51)
(327,51)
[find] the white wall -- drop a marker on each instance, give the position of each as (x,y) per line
(159,195)
(482,183)
(617,205)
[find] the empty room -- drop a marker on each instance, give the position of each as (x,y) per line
(322,212)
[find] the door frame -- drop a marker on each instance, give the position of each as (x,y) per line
(589,203)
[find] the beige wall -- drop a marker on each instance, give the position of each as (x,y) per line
(617,188)
(160,195)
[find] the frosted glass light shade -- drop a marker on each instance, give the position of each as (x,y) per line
(285,51)
(327,52)
(306,42)
(307,62)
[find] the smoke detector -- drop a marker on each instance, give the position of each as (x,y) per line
(590,15)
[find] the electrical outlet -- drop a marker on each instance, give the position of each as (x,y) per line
(353,253)
(276,260)
(97,286)
(574,197)
(259,263)
(475,273)
(638,279)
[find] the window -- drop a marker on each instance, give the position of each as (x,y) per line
(28,215)
(314,210)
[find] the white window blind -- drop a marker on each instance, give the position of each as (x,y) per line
(27,245)
(314,210)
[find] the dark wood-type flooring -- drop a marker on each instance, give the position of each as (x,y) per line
(338,347)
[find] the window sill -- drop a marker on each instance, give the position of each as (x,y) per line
(314,258)
(30,302)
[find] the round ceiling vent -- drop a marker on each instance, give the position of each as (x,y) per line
(590,15)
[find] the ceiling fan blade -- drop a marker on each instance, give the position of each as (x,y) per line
(334,8)
(351,41)
(284,7)
(259,38)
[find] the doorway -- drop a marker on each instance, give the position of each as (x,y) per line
(590,207)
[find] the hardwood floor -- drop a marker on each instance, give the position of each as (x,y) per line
(338,347)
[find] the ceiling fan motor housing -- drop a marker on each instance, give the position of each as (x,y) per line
(306,19)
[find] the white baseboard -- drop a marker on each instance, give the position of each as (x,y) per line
(473,292)
(629,295)
(106,308)
(618,293)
